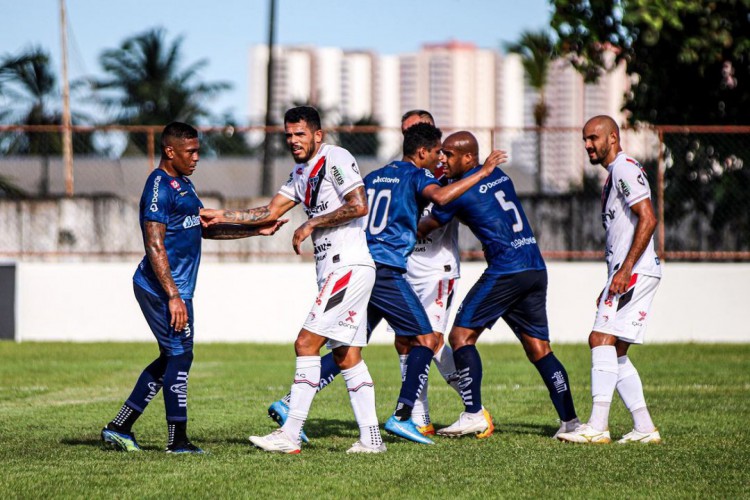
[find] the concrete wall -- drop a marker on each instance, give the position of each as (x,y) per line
(267,302)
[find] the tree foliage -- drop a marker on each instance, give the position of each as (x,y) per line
(689,62)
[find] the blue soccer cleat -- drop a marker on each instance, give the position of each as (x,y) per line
(279,411)
(120,440)
(406,429)
(186,447)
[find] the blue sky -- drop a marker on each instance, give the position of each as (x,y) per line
(221,31)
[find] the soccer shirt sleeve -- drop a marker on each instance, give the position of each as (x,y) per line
(158,200)
(343,171)
(288,191)
(630,182)
(424,178)
(444,213)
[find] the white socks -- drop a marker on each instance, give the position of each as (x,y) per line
(447,367)
(604,371)
(362,397)
(630,388)
(304,388)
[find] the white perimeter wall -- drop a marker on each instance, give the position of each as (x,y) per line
(267,302)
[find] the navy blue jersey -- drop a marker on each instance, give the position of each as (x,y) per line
(394,197)
(173,202)
(493,213)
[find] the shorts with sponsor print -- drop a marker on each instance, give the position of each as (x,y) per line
(394,300)
(340,309)
(436,296)
(156,311)
(520,299)
(625,315)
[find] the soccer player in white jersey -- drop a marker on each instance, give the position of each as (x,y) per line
(634,272)
(433,272)
(326,180)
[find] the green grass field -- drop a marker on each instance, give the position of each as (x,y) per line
(54,399)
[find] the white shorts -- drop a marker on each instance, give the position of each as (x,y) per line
(340,309)
(625,315)
(437,298)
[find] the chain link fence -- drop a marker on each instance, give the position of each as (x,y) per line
(699,179)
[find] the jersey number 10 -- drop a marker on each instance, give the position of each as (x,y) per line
(374,202)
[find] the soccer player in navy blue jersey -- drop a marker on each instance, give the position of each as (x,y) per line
(164,282)
(514,285)
(396,194)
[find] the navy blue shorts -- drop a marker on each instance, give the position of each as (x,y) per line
(394,300)
(520,299)
(156,311)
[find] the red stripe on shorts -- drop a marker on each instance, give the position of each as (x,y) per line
(341,283)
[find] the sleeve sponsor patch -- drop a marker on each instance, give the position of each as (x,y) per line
(338,175)
(624,187)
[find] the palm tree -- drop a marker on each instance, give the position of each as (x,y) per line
(147,85)
(29,87)
(537,52)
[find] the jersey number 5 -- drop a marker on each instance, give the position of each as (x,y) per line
(510,206)
(374,203)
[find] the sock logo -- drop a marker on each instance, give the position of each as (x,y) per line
(559,382)
(179,389)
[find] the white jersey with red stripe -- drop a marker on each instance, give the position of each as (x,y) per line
(436,256)
(626,185)
(321,185)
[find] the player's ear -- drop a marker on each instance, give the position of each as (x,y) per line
(169,150)
(318,136)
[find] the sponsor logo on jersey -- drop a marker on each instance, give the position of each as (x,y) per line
(519,242)
(191,221)
(484,187)
(338,176)
(316,209)
(386,180)
(641,180)
(321,250)
(624,187)
(642,315)
(608,216)
(300,170)
(350,318)
(155,197)
(175,184)
(428,174)
(291,177)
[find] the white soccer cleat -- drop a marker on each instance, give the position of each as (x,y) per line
(277,441)
(358,447)
(584,433)
(567,427)
(641,437)
(468,423)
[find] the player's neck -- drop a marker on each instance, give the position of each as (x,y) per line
(168,168)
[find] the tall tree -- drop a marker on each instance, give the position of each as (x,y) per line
(537,51)
(29,88)
(146,83)
(689,62)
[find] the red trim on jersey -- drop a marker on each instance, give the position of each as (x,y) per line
(450,285)
(341,283)
(313,173)
(633,279)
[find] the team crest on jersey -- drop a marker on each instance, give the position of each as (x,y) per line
(313,182)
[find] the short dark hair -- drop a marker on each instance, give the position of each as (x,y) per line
(421,135)
(307,113)
(418,112)
(177,130)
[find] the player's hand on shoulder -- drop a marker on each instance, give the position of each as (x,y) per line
(497,157)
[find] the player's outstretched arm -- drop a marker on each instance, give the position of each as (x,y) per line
(427,224)
(153,240)
(278,206)
(644,230)
(446,194)
(233,231)
(354,207)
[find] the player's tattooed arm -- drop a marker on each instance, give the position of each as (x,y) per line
(230,231)
(153,239)
(354,207)
(278,206)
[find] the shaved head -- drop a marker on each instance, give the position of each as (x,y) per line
(463,142)
(606,125)
(601,138)
(461,153)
